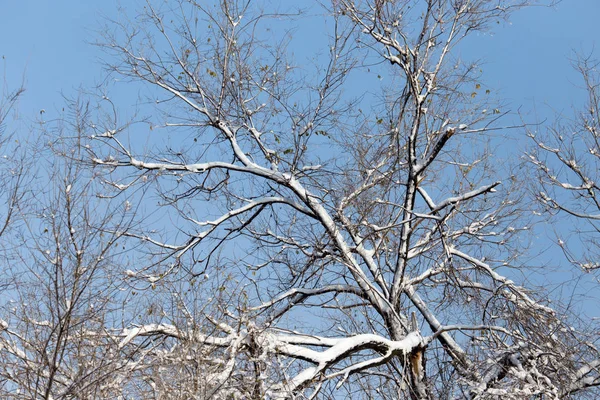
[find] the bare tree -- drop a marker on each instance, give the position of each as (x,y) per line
(567,159)
(58,303)
(11,176)
(289,236)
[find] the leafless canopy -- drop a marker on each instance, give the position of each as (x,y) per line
(293,226)
(567,160)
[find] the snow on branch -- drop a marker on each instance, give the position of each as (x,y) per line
(516,294)
(295,346)
(340,349)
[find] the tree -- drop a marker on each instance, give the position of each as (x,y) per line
(58,297)
(310,240)
(566,158)
(11,178)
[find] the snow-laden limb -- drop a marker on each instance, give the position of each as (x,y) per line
(166,330)
(463,197)
(147,330)
(337,350)
(513,292)
(340,349)
(585,377)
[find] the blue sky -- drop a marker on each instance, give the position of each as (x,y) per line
(527,59)
(44,43)
(530,58)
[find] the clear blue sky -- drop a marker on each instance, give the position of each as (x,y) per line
(528,59)
(44,43)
